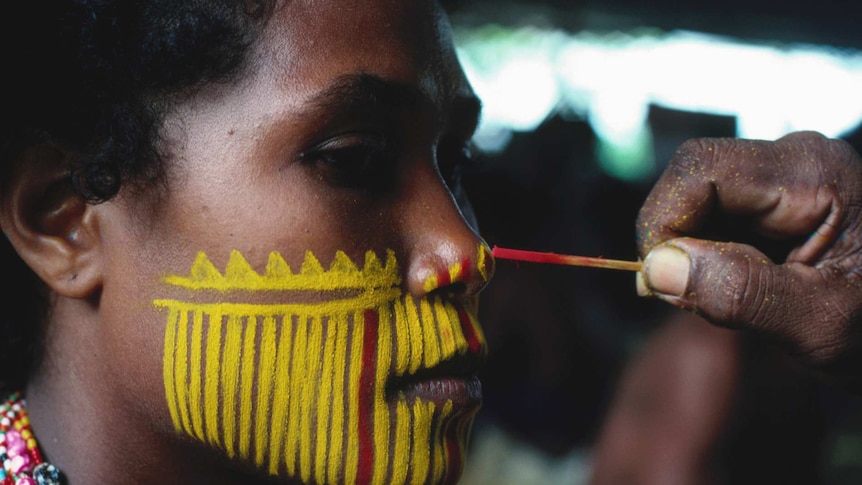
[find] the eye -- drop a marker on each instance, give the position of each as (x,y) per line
(356,160)
(453,158)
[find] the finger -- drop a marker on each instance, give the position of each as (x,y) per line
(736,286)
(790,187)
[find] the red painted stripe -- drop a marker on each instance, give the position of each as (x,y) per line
(444,279)
(453,450)
(469,330)
(366,398)
(466,270)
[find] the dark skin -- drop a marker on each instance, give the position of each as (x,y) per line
(749,235)
(763,236)
(340,134)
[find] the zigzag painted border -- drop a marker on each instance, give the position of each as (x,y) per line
(342,274)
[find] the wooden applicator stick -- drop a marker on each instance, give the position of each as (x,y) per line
(552,258)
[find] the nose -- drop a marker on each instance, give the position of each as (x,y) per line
(445,253)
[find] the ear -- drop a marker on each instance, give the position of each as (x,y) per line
(53,230)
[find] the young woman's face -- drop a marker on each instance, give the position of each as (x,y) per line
(299,294)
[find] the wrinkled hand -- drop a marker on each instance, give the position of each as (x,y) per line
(765,236)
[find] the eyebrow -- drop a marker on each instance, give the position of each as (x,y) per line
(352,93)
(357,88)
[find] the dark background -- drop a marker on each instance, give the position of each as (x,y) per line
(560,337)
(828,22)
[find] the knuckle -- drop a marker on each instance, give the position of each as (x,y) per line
(822,151)
(842,154)
(692,154)
(804,136)
(840,147)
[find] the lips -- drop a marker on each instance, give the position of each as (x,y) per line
(452,380)
(462,392)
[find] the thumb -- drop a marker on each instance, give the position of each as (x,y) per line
(735,285)
(812,311)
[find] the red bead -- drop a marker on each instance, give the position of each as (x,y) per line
(35,455)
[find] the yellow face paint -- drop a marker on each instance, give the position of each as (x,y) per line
(300,388)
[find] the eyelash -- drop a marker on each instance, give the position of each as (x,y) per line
(355,160)
(367,161)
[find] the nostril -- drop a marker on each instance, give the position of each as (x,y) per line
(464,271)
(457,288)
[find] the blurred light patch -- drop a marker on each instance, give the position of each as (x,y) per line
(515,75)
(610,79)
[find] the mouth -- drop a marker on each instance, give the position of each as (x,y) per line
(454,380)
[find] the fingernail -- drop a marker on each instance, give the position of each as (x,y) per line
(666,270)
(641,286)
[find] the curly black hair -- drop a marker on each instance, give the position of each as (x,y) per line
(94,77)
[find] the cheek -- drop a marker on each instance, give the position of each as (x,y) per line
(300,389)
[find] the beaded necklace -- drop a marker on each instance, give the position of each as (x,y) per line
(19,453)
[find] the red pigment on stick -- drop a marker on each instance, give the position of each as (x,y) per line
(553,258)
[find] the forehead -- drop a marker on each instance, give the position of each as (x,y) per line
(307,43)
